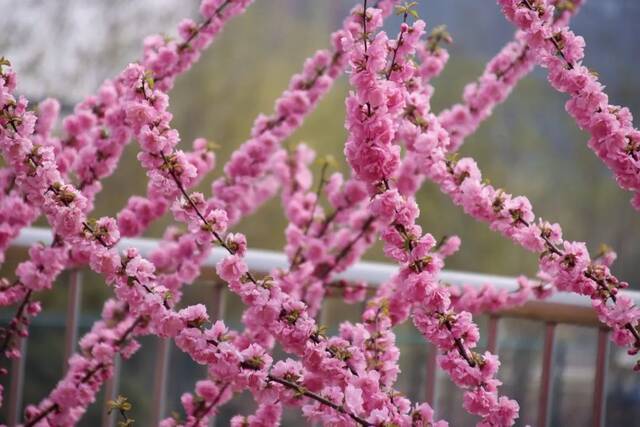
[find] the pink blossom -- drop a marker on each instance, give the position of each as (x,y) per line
(231,268)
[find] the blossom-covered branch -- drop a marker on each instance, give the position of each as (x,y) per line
(613,138)
(500,76)
(373,113)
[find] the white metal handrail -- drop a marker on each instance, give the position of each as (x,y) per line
(373,273)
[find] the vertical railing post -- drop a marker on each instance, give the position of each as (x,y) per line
(110,393)
(430,377)
(160,380)
(73,313)
(218,301)
(546,380)
(17,384)
(600,382)
(492,334)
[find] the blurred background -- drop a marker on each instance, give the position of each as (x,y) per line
(530,146)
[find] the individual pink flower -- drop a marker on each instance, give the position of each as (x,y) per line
(231,268)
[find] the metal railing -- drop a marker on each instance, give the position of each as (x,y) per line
(561,308)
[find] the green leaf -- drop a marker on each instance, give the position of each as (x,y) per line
(148,78)
(407,9)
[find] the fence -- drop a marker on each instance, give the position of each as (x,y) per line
(559,309)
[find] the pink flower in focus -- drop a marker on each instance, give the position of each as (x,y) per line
(231,268)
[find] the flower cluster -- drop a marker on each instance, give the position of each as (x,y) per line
(374,111)
(502,73)
(566,265)
(95,141)
(142,272)
(514,218)
(17,212)
(613,137)
(490,299)
(176,260)
(201,406)
(88,370)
